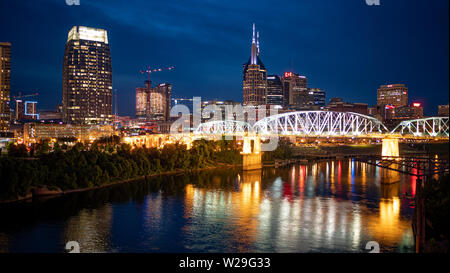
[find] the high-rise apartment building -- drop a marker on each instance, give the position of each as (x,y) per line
(274,90)
(153,104)
(5,86)
(159,102)
(254,76)
(87,77)
(294,87)
(142,101)
(392,94)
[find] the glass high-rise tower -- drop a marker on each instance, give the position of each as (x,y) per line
(5,86)
(87,77)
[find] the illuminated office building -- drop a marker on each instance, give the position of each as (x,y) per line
(142,101)
(254,76)
(5,86)
(159,102)
(153,104)
(87,77)
(294,87)
(392,94)
(84,132)
(274,90)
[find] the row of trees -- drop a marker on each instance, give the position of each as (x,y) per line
(80,167)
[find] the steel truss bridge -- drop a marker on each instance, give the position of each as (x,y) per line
(328,124)
(433,126)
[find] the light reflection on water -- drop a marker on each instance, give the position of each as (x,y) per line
(328,206)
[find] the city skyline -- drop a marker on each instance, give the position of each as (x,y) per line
(357,50)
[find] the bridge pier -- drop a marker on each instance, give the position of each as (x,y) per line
(390,147)
(251,153)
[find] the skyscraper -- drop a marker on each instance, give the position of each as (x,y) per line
(142,101)
(5,85)
(274,90)
(294,87)
(87,77)
(159,102)
(392,94)
(153,104)
(255,76)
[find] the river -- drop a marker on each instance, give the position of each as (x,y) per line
(326,206)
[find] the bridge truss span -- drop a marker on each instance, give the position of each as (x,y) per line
(432,126)
(219,127)
(320,123)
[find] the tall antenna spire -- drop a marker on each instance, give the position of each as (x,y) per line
(257,41)
(253,39)
(253,59)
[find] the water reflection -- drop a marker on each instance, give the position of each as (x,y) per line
(331,206)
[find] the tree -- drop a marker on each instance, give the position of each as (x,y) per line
(19,150)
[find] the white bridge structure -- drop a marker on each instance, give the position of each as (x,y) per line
(326,124)
(433,126)
(225,127)
(320,123)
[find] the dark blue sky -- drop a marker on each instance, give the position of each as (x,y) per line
(344,47)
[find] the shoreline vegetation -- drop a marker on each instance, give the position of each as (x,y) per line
(44,191)
(103,163)
(44,171)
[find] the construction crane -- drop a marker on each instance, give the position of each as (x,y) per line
(20,96)
(150,71)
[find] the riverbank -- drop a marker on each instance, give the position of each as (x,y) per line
(45,192)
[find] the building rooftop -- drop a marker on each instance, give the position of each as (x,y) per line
(88,33)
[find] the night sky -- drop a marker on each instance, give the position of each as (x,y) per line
(344,47)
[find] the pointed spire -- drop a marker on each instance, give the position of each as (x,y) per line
(254,50)
(257,41)
(253,39)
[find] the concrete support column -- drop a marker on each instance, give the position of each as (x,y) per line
(390,147)
(251,153)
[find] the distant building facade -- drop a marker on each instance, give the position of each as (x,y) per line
(87,77)
(5,86)
(254,76)
(338,105)
(274,90)
(83,132)
(309,99)
(294,88)
(443,110)
(142,94)
(414,111)
(26,110)
(160,102)
(153,104)
(189,103)
(392,94)
(50,115)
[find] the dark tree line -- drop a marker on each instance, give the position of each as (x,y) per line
(103,163)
